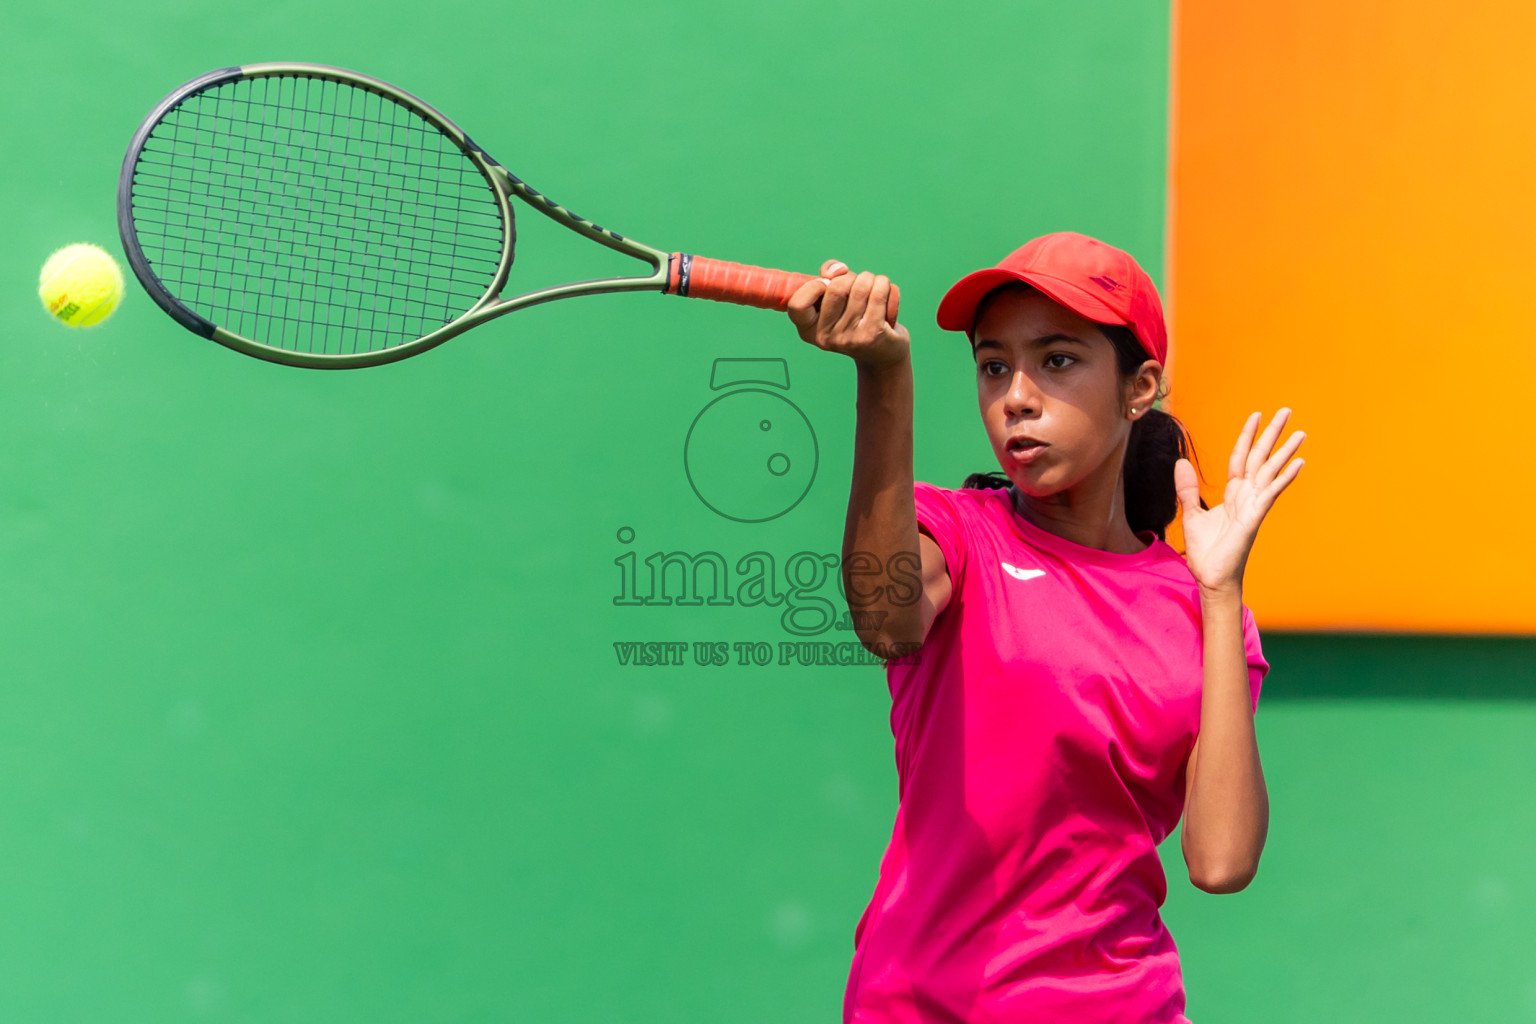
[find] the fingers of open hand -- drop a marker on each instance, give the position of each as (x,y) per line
(1266,442)
(1284,479)
(1240,450)
(1269,472)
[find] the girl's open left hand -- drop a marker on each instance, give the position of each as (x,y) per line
(1217,540)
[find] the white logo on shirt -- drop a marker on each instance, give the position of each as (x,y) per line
(1022,574)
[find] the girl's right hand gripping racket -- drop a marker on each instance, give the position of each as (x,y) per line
(318,217)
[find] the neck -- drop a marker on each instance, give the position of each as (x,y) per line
(1091,514)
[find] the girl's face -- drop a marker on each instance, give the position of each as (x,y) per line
(1045,374)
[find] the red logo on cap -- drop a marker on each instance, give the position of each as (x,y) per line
(1106,282)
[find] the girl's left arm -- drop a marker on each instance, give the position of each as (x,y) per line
(1226,806)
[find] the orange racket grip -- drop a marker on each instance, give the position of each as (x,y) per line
(699,277)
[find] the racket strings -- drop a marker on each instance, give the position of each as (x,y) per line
(312,215)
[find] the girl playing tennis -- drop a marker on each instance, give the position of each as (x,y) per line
(1079,684)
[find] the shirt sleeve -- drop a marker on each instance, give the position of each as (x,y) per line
(1258,666)
(938,514)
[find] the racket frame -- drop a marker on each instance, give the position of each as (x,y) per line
(502,182)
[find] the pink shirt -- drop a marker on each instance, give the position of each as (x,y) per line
(1041,742)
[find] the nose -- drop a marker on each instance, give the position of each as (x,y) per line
(1023,398)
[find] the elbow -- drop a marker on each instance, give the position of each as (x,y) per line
(1223,882)
(1227,861)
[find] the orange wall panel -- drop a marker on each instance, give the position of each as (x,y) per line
(1352,233)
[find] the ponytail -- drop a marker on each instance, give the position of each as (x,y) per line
(1158,440)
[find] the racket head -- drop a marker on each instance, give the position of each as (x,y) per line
(313,216)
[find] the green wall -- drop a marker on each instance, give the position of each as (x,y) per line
(1396,883)
(310,708)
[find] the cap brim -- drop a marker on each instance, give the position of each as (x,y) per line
(957,310)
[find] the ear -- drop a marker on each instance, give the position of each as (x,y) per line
(1148,379)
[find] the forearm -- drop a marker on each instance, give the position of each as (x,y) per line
(881,564)
(1226,813)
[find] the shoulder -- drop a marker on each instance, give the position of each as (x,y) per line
(961,511)
(967,502)
(948,493)
(958,520)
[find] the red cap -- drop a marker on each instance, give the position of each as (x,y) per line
(1089,277)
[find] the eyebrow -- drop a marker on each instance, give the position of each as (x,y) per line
(1046,340)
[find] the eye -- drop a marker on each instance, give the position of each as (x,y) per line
(987,368)
(1059,355)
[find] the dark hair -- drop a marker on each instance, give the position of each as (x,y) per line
(1158,440)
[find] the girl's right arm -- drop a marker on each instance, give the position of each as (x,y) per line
(883,551)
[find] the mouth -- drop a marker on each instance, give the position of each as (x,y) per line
(1025,449)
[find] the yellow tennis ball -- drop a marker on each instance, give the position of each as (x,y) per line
(81,285)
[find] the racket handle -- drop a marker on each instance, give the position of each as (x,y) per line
(699,277)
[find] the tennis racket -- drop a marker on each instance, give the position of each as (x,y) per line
(313,216)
